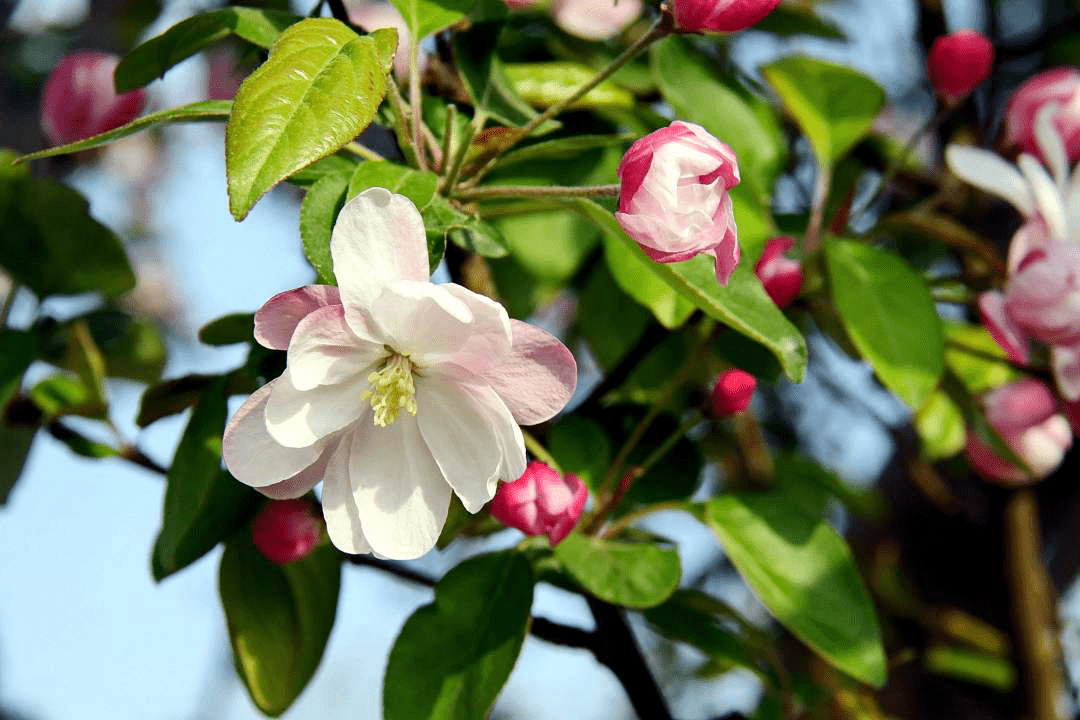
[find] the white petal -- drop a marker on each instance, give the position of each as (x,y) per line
(325,351)
(252,455)
(298,418)
(339,507)
(538,378)
(1066,363)
(378,238)
(1050,143)
(468,429)
(302,482)
(1048,200)
(277,319)
(398,489)
(990,172)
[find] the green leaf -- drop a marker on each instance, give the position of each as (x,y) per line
(318,213)
(940,423)
(52,245)
(15,444)
(689,83)
(149,61)
(485,78)
(969,354)
(319,88)
(203,504)
(132,347)
(639,281)
(742,306)
(638,575)
(443,222)
(19,350)
(581,447)
(688,617)
(788,20)
(229,330)
(548,83)
(279,618)
(418,186)
(803,572)
(171,397)
(329,165)
(889,314)
(833,104)
(453,656)
(60,395)
(562,148)
(976,666)
(202,111)
(550,245)
(424,17)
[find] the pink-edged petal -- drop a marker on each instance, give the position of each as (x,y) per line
(325,351)
(277,319)
(398,489)
(252,455)
(1048,199)
(436,324)
(378,238)
(471,435)
(727,258)
(990,172)
(299,418)
(339,505)
(1001,327)
(1066,363)
(302,482)
(1048,138)
(538,378)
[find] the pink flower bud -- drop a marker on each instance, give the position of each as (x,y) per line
(732,392)
(781,276)
(1060,86)
(80,98)
(287,530)
(674,197)
(541,502)
(1025,414)
(1042,297)
(721,15)
(959,63)
(595,19)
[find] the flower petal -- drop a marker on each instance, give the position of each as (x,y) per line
(252,455)
(470,434)
(325,351)
(299,418)
(1048,200)
(398,489)
(378,238)
(991,173)
(277,319)
(1066,363)
(538,378)
(1048,138)
(339,506)
(1002,328)
(302,482)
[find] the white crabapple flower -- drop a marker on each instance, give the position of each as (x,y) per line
(397,392)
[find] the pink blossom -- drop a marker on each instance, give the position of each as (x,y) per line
(80,98)
(396,393)
(541,502)
(285,531)
(1059,87)
(596,19)
(674,197)
(732,392)
(721,15)
(959,63)
(1025,414)
(782,276)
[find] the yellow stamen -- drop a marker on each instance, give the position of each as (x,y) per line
(392,389)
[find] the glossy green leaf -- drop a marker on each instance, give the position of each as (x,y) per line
(453,656)
(743,305)
(804,573)
(424,17)
(547,83)
(318,212)
(417,186)
(443,222)
(484,77)
(60,395)
(202,111)
(329,165)
(581,447)
(639,281)
(203,504)
(688,618)
(690,84)
(15,444)
(551,245)
(279,618)
(149,61)
(228,330)
(833,104)
(889,314)
(319,88)
(969,354)
(52,245)
(634,575)
(940,423)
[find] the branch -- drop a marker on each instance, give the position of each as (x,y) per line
(617,650)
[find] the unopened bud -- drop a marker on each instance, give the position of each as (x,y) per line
(287,530)
(541,502)
(732,392)
(782,276)
(80,98)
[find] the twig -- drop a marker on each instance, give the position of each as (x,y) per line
(617,650)
(337,9)
(500,192)
(364,152)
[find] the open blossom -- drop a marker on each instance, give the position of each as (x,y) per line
(596,19)
(721,15)
(674,200)
(1059,88)
(1025,414)
(397,392)
(732,392)
(80,98)
(959,63)
(781,276)
(285,531)
(541,502)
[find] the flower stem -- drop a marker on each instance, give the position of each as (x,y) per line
(402,123)
(499,192)
(451,174)
(415,102)
(364,152)
(542,454)
(448,137)
(662,28)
